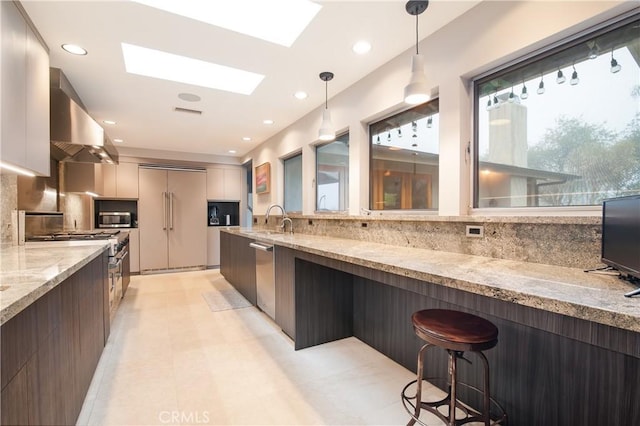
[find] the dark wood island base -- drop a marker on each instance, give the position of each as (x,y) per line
(548,369)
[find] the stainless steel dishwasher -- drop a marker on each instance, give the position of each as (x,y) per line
(265,278)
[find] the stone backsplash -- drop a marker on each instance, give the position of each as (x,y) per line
(9,204)
(31,194)
(557,240)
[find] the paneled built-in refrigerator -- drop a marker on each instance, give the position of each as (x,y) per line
(172,219)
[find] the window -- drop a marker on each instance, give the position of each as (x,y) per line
(405,160)
(563,127)
(332,175)
(293,183)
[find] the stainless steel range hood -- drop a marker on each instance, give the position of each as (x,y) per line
(75,136)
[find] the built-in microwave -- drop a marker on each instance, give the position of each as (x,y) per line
(114,220)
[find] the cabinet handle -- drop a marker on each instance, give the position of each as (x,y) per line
(259,246)
(171,211)
(164,211)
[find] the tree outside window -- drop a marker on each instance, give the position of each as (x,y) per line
(563,128)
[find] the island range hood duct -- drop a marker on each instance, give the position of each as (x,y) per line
(75,136)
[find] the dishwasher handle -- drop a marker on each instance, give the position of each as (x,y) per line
(262,247)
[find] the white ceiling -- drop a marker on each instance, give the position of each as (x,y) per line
(144,107)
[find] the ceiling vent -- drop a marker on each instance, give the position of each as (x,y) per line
(187,110)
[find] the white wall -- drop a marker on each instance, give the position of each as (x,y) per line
(491,34)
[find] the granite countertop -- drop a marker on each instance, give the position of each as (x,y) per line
(568,291)
(29,271)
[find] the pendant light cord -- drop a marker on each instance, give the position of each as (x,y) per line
(326,94)
(417,53)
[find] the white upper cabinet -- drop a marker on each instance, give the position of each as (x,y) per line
(120,181)
(25,93)
(224,183)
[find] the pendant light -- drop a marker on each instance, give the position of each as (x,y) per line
(615,67)
(326,132)
(574,77)
(524,94)
(560,78)
(540,90)
(416,91)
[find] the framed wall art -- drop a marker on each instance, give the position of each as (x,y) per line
(263,178)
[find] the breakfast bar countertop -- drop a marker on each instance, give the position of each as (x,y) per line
(29,271)
(596,297)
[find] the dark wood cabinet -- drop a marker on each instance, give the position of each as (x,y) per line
(238,264)
(284,271)
(15,401)
(51,349)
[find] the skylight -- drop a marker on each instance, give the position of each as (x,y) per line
(276,21)
(167,66)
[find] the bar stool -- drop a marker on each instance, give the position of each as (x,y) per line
(456,332)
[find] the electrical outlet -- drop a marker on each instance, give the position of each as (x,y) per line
(476,231)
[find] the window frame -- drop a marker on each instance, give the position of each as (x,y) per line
(284,180)
(516,64)
(370,209)
(346,189)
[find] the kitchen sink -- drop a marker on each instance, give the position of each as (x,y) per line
(263,232)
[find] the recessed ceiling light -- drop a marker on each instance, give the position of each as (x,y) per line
(232,151)
(74,48)
(118,140)
(111,122)
(279,22)
(167,66)
(246,138)
(301,95)
(362,47)
(267,122)
(189,97)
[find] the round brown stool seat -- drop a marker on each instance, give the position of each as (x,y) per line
(456,332)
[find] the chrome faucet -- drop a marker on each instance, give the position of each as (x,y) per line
(266,217)
(284,221)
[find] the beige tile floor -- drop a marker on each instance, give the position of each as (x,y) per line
(170,360)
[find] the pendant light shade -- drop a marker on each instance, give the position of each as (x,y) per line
(574,77)
(417,92)
(326,132)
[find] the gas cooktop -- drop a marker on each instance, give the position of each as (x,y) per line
(75,236)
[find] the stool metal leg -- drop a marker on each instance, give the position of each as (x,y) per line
(453,362)
(419,375)
(487,395)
